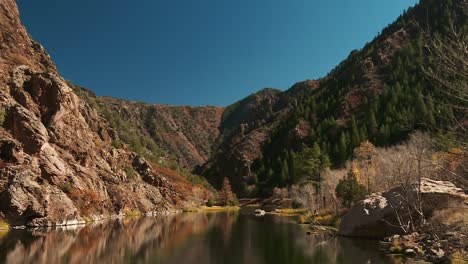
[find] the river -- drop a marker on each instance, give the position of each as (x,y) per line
(186,238)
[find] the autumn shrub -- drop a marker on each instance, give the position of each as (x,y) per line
(85,199)
(132,212)
(326,220)
(305,218)
(396,247)
(4,225)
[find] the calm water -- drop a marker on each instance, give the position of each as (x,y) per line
(186,238)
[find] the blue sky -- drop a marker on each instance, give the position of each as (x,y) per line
(204,52)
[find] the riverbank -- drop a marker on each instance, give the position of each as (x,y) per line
(4,228)
(4,225)
(212,209)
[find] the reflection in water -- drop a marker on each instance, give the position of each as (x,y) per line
(185,238)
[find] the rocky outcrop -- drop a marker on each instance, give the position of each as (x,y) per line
(56,169)
(57,162)
(376,215)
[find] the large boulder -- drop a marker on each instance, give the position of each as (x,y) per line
(375,216)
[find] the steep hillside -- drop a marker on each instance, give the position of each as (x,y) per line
(245,129)
(57,160)
(378,93)
(181,137)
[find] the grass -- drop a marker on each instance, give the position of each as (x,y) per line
(457,257)
(213,209)
(2,116)
(134,212)
(3,233)
(4,228)
(290,211)
(130,172)
(4,225)
(324,218)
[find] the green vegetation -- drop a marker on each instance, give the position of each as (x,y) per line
(134,138)
(349,190)
(401,100)
(131,173)
(2,116)
(324,217)
(67,187)
(128,134)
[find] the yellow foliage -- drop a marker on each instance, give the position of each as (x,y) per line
(459,257)
(219,208)
(4,225)
(291,211)
(356,171)
(305,218)
(3,233)
(132,212)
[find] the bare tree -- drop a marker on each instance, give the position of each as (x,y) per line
(448,67)
(420,152)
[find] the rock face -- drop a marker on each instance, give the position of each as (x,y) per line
(55,168)
(375,216)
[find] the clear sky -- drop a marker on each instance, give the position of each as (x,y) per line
(201,52)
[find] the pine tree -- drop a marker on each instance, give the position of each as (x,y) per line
(349,190)
(354,132)
(343,152)
(421,106)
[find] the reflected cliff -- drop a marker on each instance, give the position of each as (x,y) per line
(185,238)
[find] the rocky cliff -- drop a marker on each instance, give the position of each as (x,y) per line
(57,162)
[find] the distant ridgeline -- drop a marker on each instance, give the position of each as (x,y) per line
(380,93)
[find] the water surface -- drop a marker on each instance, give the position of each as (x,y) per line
(186,238)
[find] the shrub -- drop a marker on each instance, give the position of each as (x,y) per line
(130,172)
(235,201)
(85,199)
(209,203)
(67,187)
(4,225)
(296,204)
(349,190)
(325,220)
(2,116)
(117,144)
(132,212)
